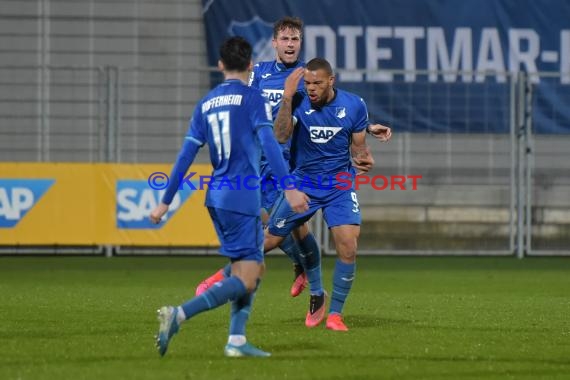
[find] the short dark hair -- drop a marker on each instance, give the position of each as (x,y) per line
(319,64)
(235,54)
(287,23)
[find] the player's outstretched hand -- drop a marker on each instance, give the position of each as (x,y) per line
(292,82)
(381,132)
(298,200)
(158,212)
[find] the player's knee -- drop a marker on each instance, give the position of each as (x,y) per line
(261,270)
(301,232)
(250,284)
(346,250)
(270,241)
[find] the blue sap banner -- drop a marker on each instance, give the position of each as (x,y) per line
(454,57)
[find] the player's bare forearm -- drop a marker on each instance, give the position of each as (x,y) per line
(283,125)
(360,152)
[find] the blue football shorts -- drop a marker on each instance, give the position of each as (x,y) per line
(240,235)
(340,207)
(269,194)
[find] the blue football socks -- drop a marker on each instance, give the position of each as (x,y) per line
(310,257)
(342,282)
(289,246)
(231,288)
(240,310)
(227,270)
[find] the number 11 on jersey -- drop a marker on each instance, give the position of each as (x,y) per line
(220,124)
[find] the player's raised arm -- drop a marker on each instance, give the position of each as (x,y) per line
(360,152)
(283,122)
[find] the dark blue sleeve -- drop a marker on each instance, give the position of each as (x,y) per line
(183,162)
(272,151)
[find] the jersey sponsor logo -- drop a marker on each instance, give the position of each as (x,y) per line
(322,135)
(265,76)
(274,96)
(340,112)
(136,200)
(309,111)
(18,196)
(280,223)
(259,31)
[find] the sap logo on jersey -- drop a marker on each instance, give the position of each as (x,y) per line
(274,96)
(136,200)
(18,196)
(321,135)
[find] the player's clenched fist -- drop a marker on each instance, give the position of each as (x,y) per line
(158,212)
(292,82)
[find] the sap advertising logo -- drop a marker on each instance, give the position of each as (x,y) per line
(274,96)
(259,31)
(18,196)
(136,200)
(321,135)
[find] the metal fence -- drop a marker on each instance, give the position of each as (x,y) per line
(94,114)
(480,192)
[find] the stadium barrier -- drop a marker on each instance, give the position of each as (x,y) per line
(75,204)
(492,184)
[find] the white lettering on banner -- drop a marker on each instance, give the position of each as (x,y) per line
(409,37)
(137,206)
(460,52)
(315,33)
(350,34)
(565,56)
(444,51)
(518,56)
(490,57)
(374,53)
(12,205)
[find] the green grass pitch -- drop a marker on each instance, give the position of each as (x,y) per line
(409,318)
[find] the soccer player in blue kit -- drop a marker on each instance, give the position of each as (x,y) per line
(236,122)
(269,77)
(327,125)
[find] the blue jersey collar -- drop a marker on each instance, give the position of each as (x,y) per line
(281,66)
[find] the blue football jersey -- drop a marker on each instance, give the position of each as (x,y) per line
(227,120)
(322,136)
(269,77)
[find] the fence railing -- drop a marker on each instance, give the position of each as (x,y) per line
(490,185)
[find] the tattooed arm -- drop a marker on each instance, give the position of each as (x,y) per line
(283,123)
(360,152)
